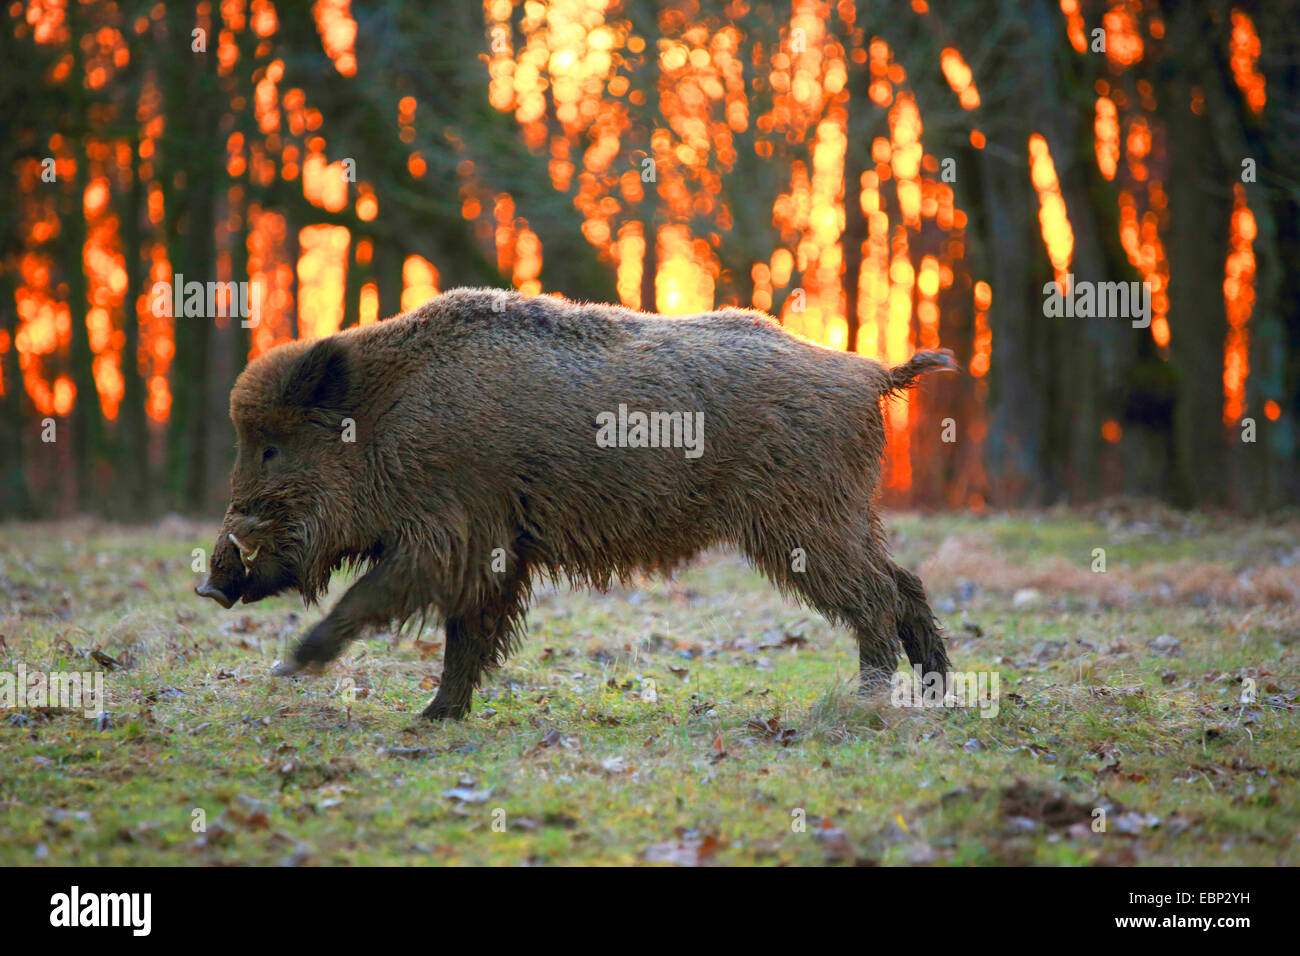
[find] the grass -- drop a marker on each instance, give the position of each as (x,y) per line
(699,720)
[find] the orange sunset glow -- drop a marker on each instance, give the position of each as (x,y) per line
(640,131)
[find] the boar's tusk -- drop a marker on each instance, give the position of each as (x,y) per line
(246,557)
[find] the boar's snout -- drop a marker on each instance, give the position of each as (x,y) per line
(227,578)
(208,590)
(246,563)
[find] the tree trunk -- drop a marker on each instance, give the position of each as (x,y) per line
(86,418)
(388,260)
(650,263)
(133,457)
(1200,207)
(193,152)
(855,231)
(15,500)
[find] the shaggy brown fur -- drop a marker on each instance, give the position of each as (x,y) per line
(475,422)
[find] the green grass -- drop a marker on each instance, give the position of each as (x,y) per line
(697,720)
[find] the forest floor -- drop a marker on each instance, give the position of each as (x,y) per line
(1146,714)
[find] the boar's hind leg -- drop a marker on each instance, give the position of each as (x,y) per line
(464,660)
(848,579)
(874,626)
(917,627)
(476,642)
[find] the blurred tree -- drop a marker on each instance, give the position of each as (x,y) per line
(1073,408)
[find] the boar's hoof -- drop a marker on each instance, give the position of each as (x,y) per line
(445,710)
(208,591)
(305,668)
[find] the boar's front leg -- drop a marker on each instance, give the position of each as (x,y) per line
(378,597)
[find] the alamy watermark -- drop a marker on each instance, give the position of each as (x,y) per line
(75,908)
(916,688)
(1098,300)
(66,690)
(637,429)
(197,300)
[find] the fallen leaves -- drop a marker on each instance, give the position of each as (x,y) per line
(1026,808)
(427,649)
(104,660)
(467,794)
(249,812)
(553,739)
(688,850)
(834,841)
(408,753)
(719,750)
(772,728)
(1166,644)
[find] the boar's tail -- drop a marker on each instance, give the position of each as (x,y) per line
(904,376)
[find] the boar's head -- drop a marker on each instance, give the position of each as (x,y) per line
(292,497)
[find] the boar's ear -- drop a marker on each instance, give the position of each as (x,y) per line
(321,377)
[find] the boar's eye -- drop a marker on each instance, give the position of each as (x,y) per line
(270,452)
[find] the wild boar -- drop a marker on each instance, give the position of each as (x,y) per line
(456,451)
